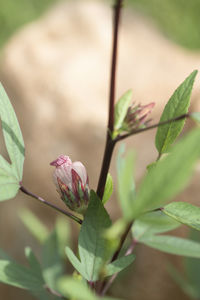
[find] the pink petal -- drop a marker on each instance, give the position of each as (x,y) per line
(80,170)
(62,159)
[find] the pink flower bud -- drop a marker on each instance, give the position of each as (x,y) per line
(71,181)
(136,116)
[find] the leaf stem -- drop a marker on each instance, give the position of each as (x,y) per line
(73,217)
(181,117)
(109,142)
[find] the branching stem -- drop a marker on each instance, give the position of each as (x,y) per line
(71,216)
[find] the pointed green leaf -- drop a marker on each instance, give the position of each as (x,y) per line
(108,189)
(152,223)
(76,262)
(121,108)
(34,225)
(12,134)
(92,245)
(173,245)
(119,264)
(177,105)
(33,263)
(126,187)
(169,176)
(185,213)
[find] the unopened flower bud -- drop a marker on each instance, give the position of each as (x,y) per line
(136,116)
(71,181)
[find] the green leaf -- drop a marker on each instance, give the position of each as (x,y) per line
(63,233)
(52,263)
(195,116)
(126,187)
(192,265)
(119,264)
(184,213)
(8,187)
(169,176)
(92,245)
(173,245)
(121,108)
(177,105)
(34,225)
(19,276)
(12,134)
(152,223)
(34,263)
(108,189)
(78,290)
(75,262)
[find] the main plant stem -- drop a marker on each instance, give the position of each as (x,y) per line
(109,142)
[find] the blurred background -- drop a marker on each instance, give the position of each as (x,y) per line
(54,64)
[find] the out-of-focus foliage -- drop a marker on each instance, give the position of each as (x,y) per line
(14,14)
(178,19)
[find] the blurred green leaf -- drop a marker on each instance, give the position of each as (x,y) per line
(177,105)
(34,225)
(121,108)
(126,187)
(195,116)
(75,289)
(169,14)
(152,223)
(12,135)
(17,275)
(173,245)
(63,233)
(119,264)
(183,284)
(192,266)
(169,176)
(184,213)
(78,290)
(33,263)
(108,189)
(52,263)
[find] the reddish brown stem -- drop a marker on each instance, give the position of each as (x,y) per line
(71,216)
(109,142)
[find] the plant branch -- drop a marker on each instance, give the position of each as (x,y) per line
(114,276)
(73,217)
(122,240)
(117,13)
(122,137)
(103,288)
(109,142)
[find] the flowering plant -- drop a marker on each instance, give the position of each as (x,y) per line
(146,211)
